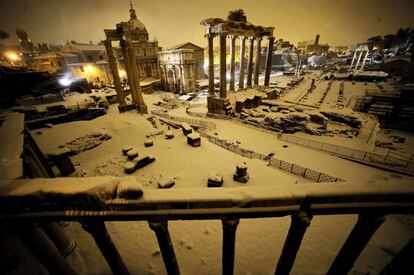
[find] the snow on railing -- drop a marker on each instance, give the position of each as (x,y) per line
(205,124)
(395,163)
(292,168)
(398,164)
(26,202)
(273,162)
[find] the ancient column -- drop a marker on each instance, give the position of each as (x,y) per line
(359,59)
(353,59)
(242,61)
(138,93)
(269,60)
(210,38)
(128,69)
(115,73)
(250,62)
(363,62)
(232,61)
(257,66)
(223,80)
(167,87)
(174,79)
(182,79)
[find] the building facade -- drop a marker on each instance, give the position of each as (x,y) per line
(198,58)
(146,52)
(178,69)
(79,60)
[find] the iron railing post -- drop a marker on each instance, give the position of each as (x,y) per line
(56,235)
(229,244)
(160,227)
(402,262)
(360,235)
(42,248)
(299,223)
(101,236)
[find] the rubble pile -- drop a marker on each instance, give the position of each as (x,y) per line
(351,121)
(292,120)
(85,143)
(135,162)
(170,103)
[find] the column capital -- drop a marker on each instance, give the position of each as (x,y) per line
(242,37)
(209,35)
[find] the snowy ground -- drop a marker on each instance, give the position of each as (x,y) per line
(198,243)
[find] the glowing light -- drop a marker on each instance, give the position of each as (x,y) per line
(121,73)
(12,56)
(88,68)
(66,80)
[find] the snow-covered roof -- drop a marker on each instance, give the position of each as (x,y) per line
(55,55)
(85,46)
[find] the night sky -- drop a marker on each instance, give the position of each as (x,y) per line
(340,22)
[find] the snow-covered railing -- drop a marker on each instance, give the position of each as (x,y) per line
(92,201)
(292,168)
(205,124)
(273,162)
(387,160)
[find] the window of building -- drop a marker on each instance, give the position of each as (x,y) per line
(90,58)
(101,57)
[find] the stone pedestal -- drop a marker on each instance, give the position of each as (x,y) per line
(241,174)
(217,105)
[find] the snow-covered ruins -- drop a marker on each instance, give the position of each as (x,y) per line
(246,155)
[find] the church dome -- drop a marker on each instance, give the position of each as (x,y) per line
(137,24)
(134,21)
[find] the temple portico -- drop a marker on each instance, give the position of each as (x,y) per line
(233,30)
(360,56)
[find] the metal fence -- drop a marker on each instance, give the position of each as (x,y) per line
(389,160)
(289,167)
(205,124)
(405,165)
(273,162)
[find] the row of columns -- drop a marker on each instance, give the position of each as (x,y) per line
(223,54)
(358,60)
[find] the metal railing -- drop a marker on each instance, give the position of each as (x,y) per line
(95,201)
(289,167)
(292,168)
(402,165)
(205,124)
(388,161)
